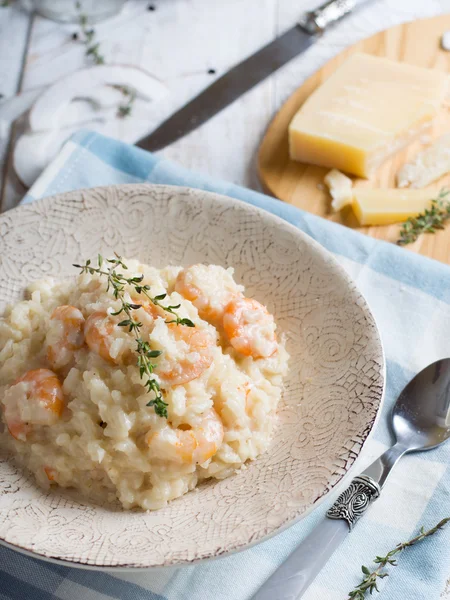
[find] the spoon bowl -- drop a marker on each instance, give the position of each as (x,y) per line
(421,415)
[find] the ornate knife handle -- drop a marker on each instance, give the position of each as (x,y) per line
(316,21)
(355,500)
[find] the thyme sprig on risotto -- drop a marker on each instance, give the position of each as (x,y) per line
(369,582)
(116,282)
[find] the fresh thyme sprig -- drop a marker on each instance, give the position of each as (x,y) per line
(116,282)
(369,582)
(92,52)
(124,110)
(92,47)
(429,221)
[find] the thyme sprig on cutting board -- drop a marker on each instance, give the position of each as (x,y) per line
(369,582)
(429,221)
(116,281)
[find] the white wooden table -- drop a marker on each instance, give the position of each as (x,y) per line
(178,43)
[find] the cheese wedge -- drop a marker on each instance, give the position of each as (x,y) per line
(382,207)
(368,109)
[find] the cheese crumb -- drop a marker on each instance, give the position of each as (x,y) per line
(340,187)
(445,41)
(429,165)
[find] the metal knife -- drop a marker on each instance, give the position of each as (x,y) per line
(244,76)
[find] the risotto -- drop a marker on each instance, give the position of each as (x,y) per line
(139,390)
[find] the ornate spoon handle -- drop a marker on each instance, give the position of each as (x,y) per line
(355,500)
(293,577)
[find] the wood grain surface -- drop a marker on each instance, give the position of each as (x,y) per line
(416,43)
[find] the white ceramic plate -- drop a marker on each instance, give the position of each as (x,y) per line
(334,388)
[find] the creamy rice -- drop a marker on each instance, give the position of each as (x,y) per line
(87,424)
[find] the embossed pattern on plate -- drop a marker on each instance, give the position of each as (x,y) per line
(333,390)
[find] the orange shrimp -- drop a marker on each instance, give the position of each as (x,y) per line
(35,399)
(100,327)
(189,445)
(197,356)
(64,336)
(51,473)
(209,287)
(152,310)
(98,331)
(250,328)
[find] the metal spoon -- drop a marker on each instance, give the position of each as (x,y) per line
(420,421)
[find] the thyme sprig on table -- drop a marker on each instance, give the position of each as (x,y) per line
(93,53)
(92,47)
(116,282)
(429,221)
(124,110)
(369,582)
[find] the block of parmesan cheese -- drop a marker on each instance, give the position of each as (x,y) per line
(369,108)
(382,207)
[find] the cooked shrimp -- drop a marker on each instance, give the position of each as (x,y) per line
(64,336)
(185,444)
(194,355)
(152,311)
(51,473)
(33,400)
(98,331)
(104,336)
(209,287)
(250,328)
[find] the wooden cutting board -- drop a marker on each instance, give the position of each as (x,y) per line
(417,43)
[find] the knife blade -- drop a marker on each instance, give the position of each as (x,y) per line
(244,76)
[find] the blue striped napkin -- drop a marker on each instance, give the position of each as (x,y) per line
(410,298)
